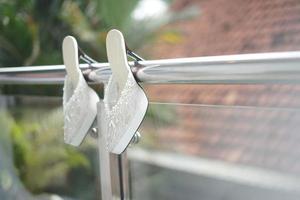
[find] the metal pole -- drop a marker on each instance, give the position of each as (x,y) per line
(242,69)
(282,67)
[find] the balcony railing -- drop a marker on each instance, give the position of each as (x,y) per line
(264,68)
(246,68)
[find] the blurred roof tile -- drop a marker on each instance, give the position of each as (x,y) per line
(253,133)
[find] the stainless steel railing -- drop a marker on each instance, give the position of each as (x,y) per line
(242,69)
(245,68)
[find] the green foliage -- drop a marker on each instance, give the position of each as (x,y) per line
(40,156)
(122,20)
(163,113)
(16,32)
(31,31)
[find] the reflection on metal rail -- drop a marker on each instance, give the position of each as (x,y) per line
(245,68)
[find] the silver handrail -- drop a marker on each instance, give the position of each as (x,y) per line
(244,68)
(241,69)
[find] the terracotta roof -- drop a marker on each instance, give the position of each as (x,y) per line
(264,129)
(272,95)
(234,27)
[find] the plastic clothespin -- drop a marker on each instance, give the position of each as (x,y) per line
(79,100)
(117,57)
(70,57)
(121,72)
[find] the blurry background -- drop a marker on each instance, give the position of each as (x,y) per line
(236,141)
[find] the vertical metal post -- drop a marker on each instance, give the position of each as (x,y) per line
(124,174)
(119,176)
(105,170)
(114,173)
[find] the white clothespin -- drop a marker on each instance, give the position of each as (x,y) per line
(70,56)
(121,111)
(117,57)
(126,115)
(79,100)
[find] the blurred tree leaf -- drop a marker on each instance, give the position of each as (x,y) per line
(116,13)
(31,31)
(40,152)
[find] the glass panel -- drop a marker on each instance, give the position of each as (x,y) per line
(214,142)
(34,161)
